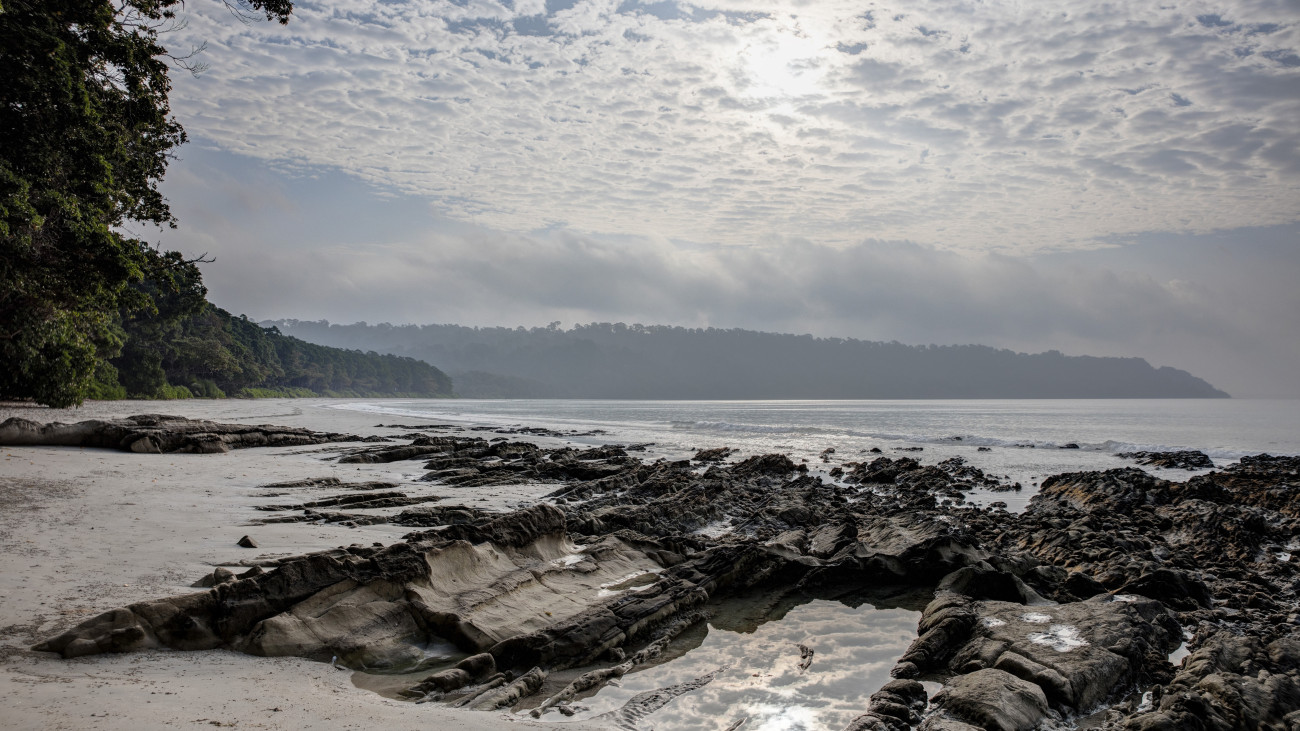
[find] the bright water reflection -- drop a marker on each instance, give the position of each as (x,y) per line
(855,641)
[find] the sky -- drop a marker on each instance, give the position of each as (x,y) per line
(1097,178)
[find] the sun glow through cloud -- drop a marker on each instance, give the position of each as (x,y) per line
(1013,129)
(784,64)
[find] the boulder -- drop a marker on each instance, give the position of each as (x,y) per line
(992,699)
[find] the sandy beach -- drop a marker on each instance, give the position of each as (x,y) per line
(838,594)
(84,531)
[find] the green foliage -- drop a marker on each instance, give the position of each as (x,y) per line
(276,393)
(87,133)
(184,341)
(205,388)
(175,392)
(105,386)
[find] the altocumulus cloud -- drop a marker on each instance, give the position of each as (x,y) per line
(1229,318)
(1002,126)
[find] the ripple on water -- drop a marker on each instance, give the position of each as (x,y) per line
(756,641)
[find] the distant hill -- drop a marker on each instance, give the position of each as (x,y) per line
(214,354)
(618,361)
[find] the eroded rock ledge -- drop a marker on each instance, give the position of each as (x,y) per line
(1068,609)
(153,433)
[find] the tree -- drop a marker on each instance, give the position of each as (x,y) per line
(88,130)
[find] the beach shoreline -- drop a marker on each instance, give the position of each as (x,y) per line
(1127,571)
(83,531)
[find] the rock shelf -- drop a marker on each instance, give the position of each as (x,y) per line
(1064,612)
(154,434)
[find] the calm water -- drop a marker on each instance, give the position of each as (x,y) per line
(1025,437)
(753,643)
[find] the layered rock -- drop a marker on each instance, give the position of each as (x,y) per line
(153,434)
(1054,613)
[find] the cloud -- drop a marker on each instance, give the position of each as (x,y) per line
(993,127)
(1222,306)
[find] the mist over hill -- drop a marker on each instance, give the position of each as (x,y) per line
(618,361)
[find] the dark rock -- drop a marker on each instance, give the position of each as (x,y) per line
(1130,558)
(1172,587)
(712,455)
(1230,682)
(775,465)
(984,582)
(1184,460)
(247,542)
(1082,585)
(993,699)
(895,706)
(218,576)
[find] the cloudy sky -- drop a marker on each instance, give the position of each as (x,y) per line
(1101,178)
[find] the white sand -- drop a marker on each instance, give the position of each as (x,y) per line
(85,531)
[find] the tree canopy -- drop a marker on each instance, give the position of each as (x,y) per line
(88,132)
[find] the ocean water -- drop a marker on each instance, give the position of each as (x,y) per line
(1026,439)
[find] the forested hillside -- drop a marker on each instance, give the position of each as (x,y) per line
(88,133)
(604,360)
(187,346)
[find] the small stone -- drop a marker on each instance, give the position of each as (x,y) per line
(247,542)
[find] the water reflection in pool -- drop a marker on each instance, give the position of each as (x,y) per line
(856,640)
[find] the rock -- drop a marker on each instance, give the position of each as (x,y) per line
(946,625)
(1174,588)
(1055,686)
(1082,585)
(507,696)
(226,615)
(155,434)
(992,699)
(247,542)
(895,706)
(942,722)
(473,669)
(1230,682)
(639,548)
(985,582)
(712,455)
(219,575)
(1184,460)
(1076,654)
(766,464)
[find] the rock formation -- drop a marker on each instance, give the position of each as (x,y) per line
(1068,609)
(155,434)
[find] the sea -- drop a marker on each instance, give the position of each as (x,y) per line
(1023,441)
(744,663)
